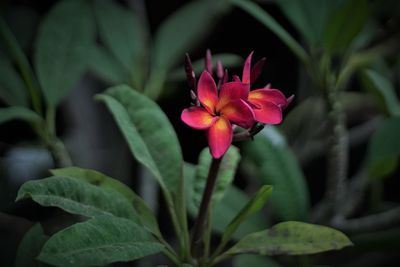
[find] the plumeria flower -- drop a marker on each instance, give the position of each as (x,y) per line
(218,111)
(267,104)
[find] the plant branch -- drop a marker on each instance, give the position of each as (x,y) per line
(248,134)
(200,222)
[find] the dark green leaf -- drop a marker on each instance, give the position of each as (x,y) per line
(384,149)
(345,24)
(18,113)
(225,177)
(124,35)
(278,167)
(381,87)
(99,241)
(254,205)
(12,88)
(145,214)
(292,238)
(62,45)
(78,197)
(30,247)
(106,66)
(149,134)
(253,261)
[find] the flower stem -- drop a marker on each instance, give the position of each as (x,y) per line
(200,222)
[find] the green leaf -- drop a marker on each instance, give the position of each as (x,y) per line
(228,61)
(381,87)
(106,66)
(12,88)
(184,29)
(225,177)
(124,35)
(145,214)
(254,205)
(225,211)
(30,247)
(18,113)
(278,167)
(99,241)
(269,22)
(64,40)
(253,261)
(345,24)
(384,149)
(309,16)
(149,134)
(77,197)
(292,238)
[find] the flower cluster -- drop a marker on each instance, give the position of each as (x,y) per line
(220,107)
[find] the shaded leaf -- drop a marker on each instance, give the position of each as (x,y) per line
(18,113)
(225,176)
(124,35)
(149,134)
(99,241)
(345,24)
(30,247)
(381,87)
(12,87)
(245,260)
(64,40)
(278,167)
(384,149)
(145,214)
(77,197)
(292,238)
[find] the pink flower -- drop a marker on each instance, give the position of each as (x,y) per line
(218,111)
(267,104)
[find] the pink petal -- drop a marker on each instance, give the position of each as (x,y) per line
(232,91)
(271,95)
(219,137)
(207,92)
(198,118)
(246,69)
(239,113)
(236,78)
(256,70)
(268,112)
(220,70)
(208,62)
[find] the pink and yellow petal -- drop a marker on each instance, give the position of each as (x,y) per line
(239,113)
(219,137)
(232,91)
(207,91)
(267,112)
(271,95)
(197,118)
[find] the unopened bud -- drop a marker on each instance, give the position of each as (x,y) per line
(208,62)
(190,75)
(256,70)
(220,70)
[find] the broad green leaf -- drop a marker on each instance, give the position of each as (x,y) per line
(308,16)
(292,238)
(228,61)
(77,197)
(106,66)
(231,204)
(384,149)
(184,29)
(12,88)
(246,260)
(145,214)
(258,13)
(277,166)
(345,24)
(30,247)
(381,87)
(99,241)
(18,113)
(256,203)
(124,35)
(64,40)
(149,134)
(225,176)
